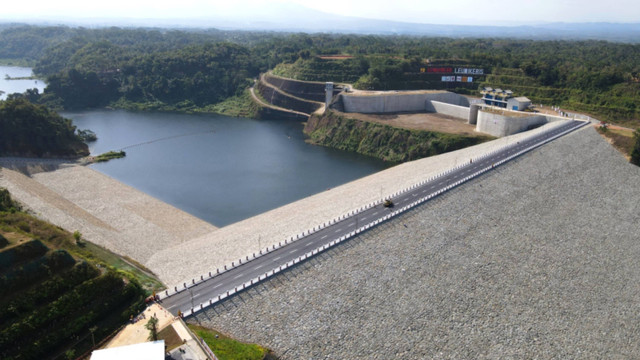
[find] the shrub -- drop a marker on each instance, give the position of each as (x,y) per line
(110,155)
(47,291)
(635,153)
(34,271)
(6,203)
(21,253)
(24,226)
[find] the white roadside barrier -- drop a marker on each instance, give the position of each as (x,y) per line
(332,243)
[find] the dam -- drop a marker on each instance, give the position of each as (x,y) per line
(529,250)
(161,237)
(536,258)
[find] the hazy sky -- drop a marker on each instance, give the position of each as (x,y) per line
(472,12)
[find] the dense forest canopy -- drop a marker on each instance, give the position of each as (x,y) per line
(99,67)
(34,130)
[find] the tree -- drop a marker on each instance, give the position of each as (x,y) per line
(6,202)
(635,153)
(27,129)
(70,354)
(152,326)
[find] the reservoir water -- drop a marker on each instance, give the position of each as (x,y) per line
(220,169)
(17,86)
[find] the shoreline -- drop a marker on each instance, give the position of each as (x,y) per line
(237,240)
(107,212)
(176,245)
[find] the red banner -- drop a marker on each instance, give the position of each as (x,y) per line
(440,70)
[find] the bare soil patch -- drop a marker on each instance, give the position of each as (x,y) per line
(420,121)
(13,238)
(136,333)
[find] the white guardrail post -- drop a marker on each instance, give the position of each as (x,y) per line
(332,243)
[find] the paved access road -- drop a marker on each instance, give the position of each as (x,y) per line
(235,277)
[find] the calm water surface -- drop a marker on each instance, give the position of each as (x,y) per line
(17,86)
(218,168)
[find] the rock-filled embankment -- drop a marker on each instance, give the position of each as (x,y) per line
(537,259)
(106,212)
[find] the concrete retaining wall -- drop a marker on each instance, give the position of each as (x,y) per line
(457,111)
(394,102)
(552,118)
(503,125)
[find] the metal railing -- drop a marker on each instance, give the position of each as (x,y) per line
(227,293)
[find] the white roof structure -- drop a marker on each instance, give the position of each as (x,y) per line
(145,351)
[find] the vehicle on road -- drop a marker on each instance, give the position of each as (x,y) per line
(388,203)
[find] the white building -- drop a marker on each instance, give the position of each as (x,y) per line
(504,99)
(518,103)
(145,351)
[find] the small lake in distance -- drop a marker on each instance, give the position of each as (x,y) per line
(218,168)
(17,86)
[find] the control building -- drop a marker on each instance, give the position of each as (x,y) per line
(504,99)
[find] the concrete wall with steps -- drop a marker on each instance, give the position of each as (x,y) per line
(283,100)
(313,91)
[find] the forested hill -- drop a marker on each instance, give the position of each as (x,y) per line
(195,75)
(34,130)
(183,71)
(28,42)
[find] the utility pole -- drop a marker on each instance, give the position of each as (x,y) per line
(93,330)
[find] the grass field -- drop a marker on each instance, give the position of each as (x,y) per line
(227,348)
(143,275)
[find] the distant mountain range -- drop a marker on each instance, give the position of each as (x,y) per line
(296,18)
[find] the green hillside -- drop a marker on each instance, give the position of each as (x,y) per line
(382,141)
(616,102)
(56,291)
(27,129)
(376,72)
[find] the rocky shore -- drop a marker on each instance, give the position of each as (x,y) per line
(106,212)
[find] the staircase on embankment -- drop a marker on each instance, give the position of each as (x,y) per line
(287,98)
